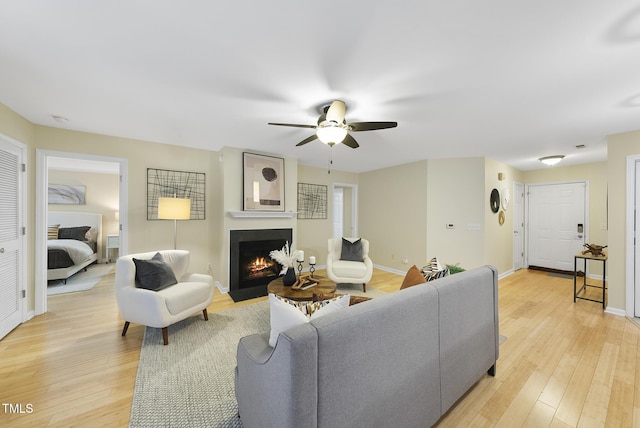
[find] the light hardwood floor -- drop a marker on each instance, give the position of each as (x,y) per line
(562,365)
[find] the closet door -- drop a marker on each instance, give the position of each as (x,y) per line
(11,236)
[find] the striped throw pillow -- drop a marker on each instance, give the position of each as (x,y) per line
(52,231)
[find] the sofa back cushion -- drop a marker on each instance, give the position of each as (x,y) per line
(367,350)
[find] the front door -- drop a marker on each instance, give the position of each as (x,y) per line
(557,224)
(11,236)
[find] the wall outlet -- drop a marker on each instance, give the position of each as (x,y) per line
(405,260)
(209,269)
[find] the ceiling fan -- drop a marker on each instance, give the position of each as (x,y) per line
(332,128)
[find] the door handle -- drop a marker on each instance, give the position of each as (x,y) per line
(1,250)
(579,236)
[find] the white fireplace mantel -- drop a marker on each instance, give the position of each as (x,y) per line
(262,214)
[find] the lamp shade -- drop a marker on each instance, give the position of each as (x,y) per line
(174,208)
(331,134)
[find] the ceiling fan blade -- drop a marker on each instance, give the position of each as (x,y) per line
(350,141)
(371,126)
(336,111)
(293,124)
(307,140)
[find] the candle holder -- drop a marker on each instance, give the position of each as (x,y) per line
(300,267)
(312,268)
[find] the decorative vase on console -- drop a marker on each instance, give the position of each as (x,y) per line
(289,277)
(287,258)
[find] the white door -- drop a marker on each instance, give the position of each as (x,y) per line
(557,224)
(518,226)
(11,236)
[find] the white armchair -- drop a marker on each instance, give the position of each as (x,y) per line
(166,306)
(349,271)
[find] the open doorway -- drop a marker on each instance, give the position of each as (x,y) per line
(103,185)
(345,210)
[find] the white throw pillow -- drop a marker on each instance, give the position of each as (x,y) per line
(285,316)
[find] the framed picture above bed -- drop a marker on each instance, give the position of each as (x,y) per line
(67,194)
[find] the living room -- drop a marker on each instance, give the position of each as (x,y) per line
(404,208)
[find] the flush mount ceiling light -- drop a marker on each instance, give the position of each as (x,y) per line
(551,160)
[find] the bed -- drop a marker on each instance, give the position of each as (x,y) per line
(73,242)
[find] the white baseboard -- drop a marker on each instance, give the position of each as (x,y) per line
(221,289)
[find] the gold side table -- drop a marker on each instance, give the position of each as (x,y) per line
(587,257)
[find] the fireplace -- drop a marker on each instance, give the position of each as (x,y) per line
(250,266)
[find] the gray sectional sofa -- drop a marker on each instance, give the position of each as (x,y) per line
(399,360)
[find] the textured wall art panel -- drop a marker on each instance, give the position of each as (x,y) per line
(181,184)
(312,201)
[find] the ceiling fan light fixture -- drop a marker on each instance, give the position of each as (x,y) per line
(551,160)
(331,134)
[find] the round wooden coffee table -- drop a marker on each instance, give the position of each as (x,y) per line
(279,289)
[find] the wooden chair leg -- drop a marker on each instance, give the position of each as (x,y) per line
(364,287)
(126,327)
(165,335)
(206,314)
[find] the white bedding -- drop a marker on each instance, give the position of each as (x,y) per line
(78,251)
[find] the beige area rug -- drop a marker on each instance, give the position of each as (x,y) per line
(190,382)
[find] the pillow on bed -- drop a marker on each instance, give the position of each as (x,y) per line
(154,274)
(52,231)
(77,233)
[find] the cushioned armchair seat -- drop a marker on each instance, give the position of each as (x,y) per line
(159,309)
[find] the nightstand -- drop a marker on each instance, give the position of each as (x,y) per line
(113,243)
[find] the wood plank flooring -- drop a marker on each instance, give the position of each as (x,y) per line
(562,365)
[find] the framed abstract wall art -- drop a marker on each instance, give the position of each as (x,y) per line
(312,201)
(181,184)
(263,183)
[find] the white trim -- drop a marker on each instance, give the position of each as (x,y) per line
(629,233)
(615,311)
(42,177)
(262,214)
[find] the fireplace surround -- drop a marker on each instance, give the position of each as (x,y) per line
(250,266)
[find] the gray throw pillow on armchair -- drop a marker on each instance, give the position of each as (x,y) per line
(351,251)
(154,274)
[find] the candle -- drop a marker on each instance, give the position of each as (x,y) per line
(300,256)
(312,260)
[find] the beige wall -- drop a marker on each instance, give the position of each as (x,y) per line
(498,244)
(456,195)
(101,197)
(393,214)
(619,146)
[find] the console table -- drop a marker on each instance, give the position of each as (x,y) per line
(587,257)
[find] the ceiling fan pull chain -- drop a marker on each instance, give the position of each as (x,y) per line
(330,159)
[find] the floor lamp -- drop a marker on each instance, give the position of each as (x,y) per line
(174,209)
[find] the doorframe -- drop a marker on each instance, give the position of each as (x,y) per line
(41,209)
(354,203)
(551,183)
(630,247)
(522,199)
(23,218)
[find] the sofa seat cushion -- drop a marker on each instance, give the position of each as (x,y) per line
(185,295)
(348,269)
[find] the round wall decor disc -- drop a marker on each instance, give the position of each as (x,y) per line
(494,200)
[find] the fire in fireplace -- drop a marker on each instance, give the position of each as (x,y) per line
(250,266)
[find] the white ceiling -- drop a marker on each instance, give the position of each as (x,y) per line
(510,80)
